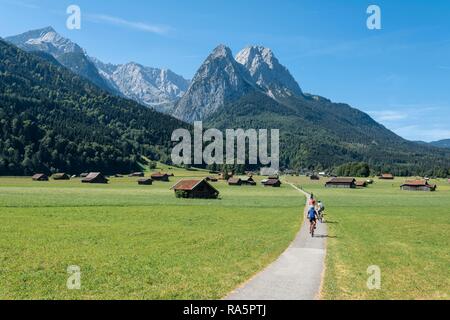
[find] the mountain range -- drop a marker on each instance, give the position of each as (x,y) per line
(152,87)
(53,120)
(253,90)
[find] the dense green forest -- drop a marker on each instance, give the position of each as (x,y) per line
(317,134)
(52,120)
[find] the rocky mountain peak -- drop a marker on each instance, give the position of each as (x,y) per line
(268,72)
(219,80)
(45,39)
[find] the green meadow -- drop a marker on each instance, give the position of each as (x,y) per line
(405,233)
(138,242)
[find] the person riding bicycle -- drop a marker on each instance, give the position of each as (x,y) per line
(320,210)
(312,202)
(312,217)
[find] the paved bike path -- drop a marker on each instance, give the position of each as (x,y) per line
(296,274)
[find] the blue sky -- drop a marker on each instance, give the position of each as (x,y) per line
(400,75)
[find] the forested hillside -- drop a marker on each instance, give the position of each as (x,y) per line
(53,120)
(318,134)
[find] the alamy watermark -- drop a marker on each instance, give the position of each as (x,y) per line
(211,147)
(374,20)
(73,22)
(74,280)
(374,280)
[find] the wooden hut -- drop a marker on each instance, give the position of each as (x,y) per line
(136,174)
(341,183)
(158,176)
(95,177)
(61,176)
(274,183)
(199,189)
(386,176)
(40,177)
(234,182)
(211,179)
(145,181)
(314,177)
(248,181)
(361,184)
(418,185)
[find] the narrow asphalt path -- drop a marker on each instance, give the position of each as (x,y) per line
(296,274)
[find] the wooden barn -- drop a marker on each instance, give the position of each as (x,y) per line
(145,182)
(195,189)
(361,184)
(40,177)
(136,174)
(274,183)
(248,181)
(95,177)
(386,176)
(234,182)
(158,176)
(61,176)
(212,179)
(341,183)
(418,185)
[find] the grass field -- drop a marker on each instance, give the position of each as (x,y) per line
(406,234)
(138,242)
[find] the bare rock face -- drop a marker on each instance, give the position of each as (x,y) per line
(267,72)
(219,80)
(153,87)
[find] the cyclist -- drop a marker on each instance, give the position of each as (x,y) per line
(312,217)
(320,210)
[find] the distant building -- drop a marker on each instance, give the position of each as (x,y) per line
(387,176)
(136,174)
(418,185)
(145,182)
(248,181)
(211,179)
(61,176)
(361,184)
(192,189)
(314,177)
(341,183)
(95,177)
(40,177)
(158,176)
(275,183)
(234,182)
